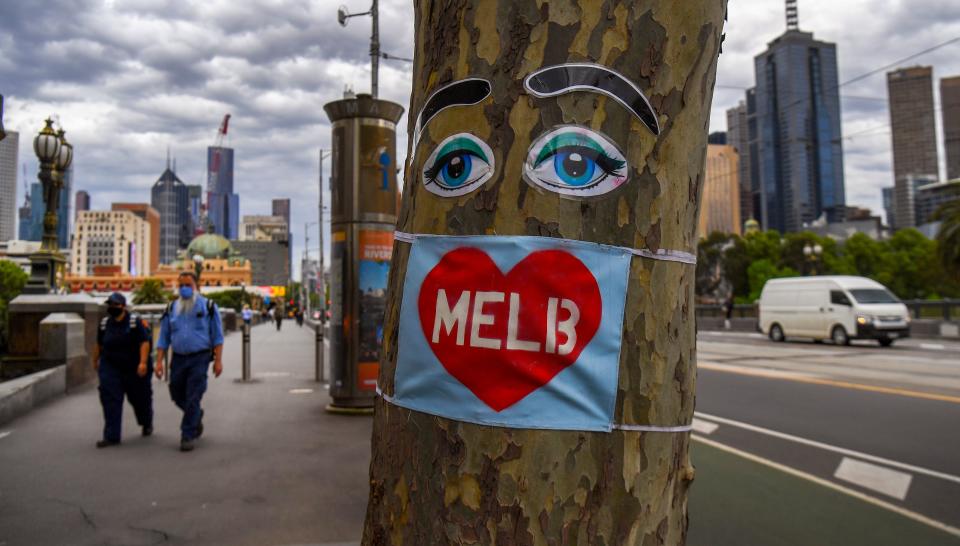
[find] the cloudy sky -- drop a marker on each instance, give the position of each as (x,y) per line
(130,78)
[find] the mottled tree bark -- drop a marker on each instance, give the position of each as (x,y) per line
(438,481)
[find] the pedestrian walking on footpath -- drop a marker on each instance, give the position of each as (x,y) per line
(278,316)
(121,358)
(247,314)
(192,331)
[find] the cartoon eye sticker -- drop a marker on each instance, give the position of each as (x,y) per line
(575,161)
(458,165)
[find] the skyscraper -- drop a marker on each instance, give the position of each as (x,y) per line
(914,134)
(81,203)
(738,137)
(171,198)
(196,209)
(9,147)
(26,217)
(152,219)
(950,99)
(281,207)
(63,209)
(223,206)
(720,206)
(800,155)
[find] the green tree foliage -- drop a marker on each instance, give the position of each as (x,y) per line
(912,266)
(234,299)
(948,236)
(12,281)
(151,291)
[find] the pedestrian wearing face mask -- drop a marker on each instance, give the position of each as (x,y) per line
(122,360)
(192,331)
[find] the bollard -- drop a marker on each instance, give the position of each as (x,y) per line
(246,352)
(319,350)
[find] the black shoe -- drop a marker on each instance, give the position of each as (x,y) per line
(107,443)
(146,431)
(200,425)
(186,445)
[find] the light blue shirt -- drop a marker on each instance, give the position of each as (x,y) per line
(191,332)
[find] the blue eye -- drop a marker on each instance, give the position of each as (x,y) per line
(575,161)
(458,165)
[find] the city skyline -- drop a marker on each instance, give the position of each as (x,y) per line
(273,67)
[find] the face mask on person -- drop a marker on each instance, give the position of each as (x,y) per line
(186,292)
(114,311)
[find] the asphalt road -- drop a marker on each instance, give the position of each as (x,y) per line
(880,422)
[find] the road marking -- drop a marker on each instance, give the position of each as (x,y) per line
(835,449)
(801,378)
(826,483)
(705,427)
(5,433)
(876,478)
(301,391)
(934,346)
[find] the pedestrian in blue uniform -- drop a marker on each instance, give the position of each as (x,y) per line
(122,360)
(192,331)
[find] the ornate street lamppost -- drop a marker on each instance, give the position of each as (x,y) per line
(55,155)
(812,254)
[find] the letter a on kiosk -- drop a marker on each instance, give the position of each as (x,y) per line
(519,332)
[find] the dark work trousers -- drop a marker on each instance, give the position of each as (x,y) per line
(115,382)
(188,382)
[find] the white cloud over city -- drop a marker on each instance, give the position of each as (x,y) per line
(128,78)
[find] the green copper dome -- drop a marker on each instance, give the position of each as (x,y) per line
(209,245)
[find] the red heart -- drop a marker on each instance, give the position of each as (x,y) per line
(501,369)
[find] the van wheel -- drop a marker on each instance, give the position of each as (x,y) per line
(776,333)
(839,336)
(885,341)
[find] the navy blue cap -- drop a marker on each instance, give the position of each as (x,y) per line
(117,298)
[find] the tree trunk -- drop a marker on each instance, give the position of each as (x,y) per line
(439,481)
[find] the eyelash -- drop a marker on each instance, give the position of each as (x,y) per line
(609,165)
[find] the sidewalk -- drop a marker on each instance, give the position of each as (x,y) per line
(271,468)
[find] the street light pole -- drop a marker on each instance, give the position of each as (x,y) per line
(55,155)
(374,49)
(323,279)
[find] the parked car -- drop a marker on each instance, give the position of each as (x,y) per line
(839,308)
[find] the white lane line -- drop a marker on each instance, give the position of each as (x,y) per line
(704,427)
(826,483)
(873,477)
(934,346)
(301,391)
(5,433)
(835,449)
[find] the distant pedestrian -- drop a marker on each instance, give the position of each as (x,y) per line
(191,328)
(728,312)
(247,314)
(122,360)
(278,316)
(300,318)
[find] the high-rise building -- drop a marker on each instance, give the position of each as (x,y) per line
(64,217)
(720,206)
(171,198)
(914,134)
(738,136)
(152,218)
(950,100)
(26,217)
(263,228)
(110,238)
(81,202)
(281,207)
(223,206)
(269,260)
(799,155)
(930,197)
(888,204)
(9,148)
(196,209)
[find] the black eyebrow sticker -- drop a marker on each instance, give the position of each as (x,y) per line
(564,78)
(459,93)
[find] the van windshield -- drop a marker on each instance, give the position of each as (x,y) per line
(873,295)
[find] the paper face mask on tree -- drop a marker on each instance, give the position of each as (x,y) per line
(518,331)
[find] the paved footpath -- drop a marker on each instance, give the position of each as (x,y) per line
(272,466)
(274,469)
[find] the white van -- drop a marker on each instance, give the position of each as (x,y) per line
(832,307)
